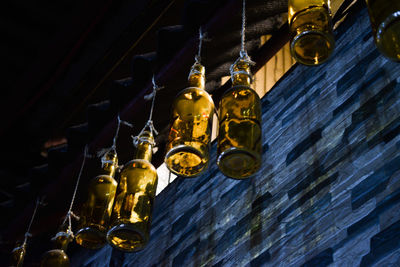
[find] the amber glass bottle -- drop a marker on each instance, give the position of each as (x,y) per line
(97,209)
(190,133)
(18,255)
(57,256)
(131,217)
(239,138)
(310,21)
(385,22)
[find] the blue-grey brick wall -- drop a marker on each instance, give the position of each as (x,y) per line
(328,192)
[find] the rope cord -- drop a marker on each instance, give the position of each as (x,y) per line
(243,33)
(27,233)
(114,145)
(243,52)
(103,152)
(70,214)
(202,37)
(243,56)
(149,125)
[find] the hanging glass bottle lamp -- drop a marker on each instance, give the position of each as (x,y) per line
(310,22)
(57,257)
(96,211)
(18,255)
(190,134)
(239,138)
(19,252)
(385,21)
(132,211)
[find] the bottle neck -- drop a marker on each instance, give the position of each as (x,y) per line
(109,163)
(62,240)
(144,151)
(18,254)
(144,146)
(240,73)
(197,76)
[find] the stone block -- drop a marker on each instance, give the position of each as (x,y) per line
(303,146)
(382,244)
(374,184)
(324,258)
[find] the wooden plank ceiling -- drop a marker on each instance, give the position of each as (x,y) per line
(71,66)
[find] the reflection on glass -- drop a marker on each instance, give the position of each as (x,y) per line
(190,133)
(310,21)
(57,256)
(131,216)
(18,255)
(96,211)
(385,22)
(239,138)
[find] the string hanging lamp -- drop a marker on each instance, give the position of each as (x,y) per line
(18,253)
(96,211)
(58,257)
(239,138)
(190,133)
(311,24)
(385,21)
(132,211)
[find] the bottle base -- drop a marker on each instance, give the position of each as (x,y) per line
(55,257)
(90,237)
(387,37)
(238,163)
(186,161)
(126,237)
(312,47)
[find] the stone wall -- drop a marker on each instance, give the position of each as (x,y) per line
(328,193)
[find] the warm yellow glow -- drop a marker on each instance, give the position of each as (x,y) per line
(190,133)
(239,138)
(96,211)
(311,21)
(385,22)
(131,216)
(18,255)
(57,257)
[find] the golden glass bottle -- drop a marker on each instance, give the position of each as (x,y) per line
(190,134)
(97,209)
(18,255)
(132,211)
(57,256)
(310,21)
(385,21)
(239,138)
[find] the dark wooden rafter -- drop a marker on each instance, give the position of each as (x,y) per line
(43,76)
(136,105)
(46,64)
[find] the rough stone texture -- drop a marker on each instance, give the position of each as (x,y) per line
(328,193)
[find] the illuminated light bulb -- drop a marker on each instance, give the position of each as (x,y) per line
(310,21)
(190,134)
(385,21)
(18,255)
(239,138)
(132,211)
(96,211)
(57,256)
